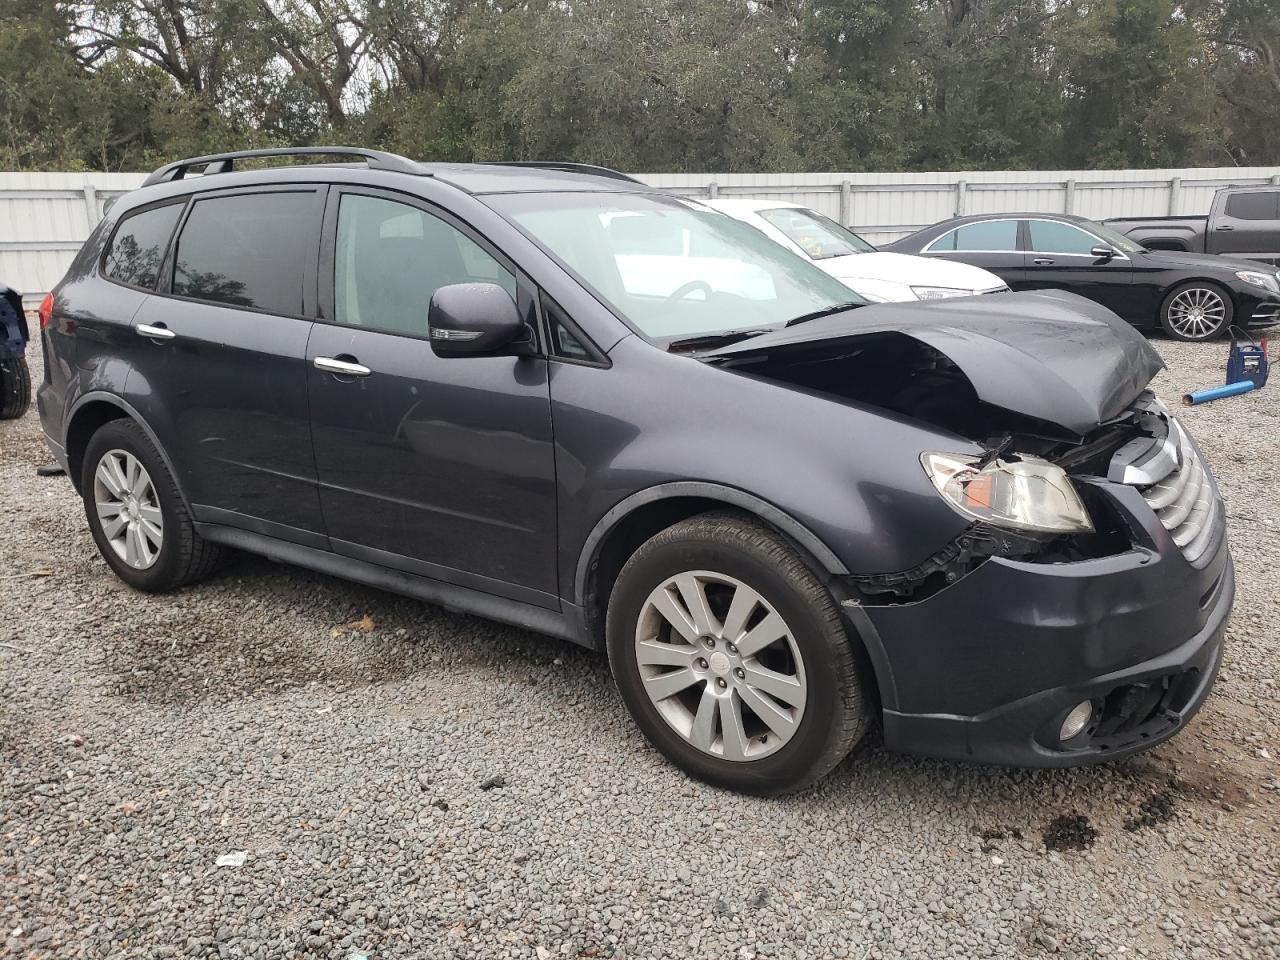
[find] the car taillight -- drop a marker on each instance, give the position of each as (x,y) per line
(46,311)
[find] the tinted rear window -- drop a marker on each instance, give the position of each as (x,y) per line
(139,244)
(246,251)
(1263,205)
(1000,235)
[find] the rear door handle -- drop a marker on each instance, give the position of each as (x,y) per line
(156,331)
(1225,228)
(1043,262)
(342,368)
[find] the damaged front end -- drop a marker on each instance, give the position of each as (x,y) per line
(1145,448)
(1034,493)
(1080,614)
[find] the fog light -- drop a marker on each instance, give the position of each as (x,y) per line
(1076,720)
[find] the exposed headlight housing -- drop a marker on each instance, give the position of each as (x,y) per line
(1027,494)
(939,293)
(1266,281)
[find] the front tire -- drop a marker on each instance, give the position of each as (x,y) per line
(1196,311)
(137,515)
(15,388)
(732,657)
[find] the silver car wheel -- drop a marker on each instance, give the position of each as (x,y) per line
(1197,312)
(128,508)
(720,665)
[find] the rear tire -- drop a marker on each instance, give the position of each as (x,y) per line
(1197,311)
(15,388)
(137,515)
(715,694)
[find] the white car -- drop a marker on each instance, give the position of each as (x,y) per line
(854,262)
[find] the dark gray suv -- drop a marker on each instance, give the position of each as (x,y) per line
(552,396)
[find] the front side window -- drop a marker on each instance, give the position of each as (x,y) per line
(1000,236)
(818,236)
(564,342)
(670,267)
(246,250)
(1050,236)
(1257,205)
(391,257)
(138,246)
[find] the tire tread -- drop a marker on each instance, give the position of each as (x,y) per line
(850,720)
(15,388)
(197,558)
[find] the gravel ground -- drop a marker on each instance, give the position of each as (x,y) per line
(421,784)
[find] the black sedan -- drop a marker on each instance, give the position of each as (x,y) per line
(1193,296)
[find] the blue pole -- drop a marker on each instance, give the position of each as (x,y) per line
(1217,393)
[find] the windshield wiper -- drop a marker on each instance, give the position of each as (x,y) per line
(819,314)
(690,344)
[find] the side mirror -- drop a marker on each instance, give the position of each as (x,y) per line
(1102,252)
(476,320)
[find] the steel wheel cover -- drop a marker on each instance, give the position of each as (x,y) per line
(128,509)
(720,665)
(1197,312)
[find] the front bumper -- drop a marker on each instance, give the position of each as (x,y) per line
(1257,308)
(987,668)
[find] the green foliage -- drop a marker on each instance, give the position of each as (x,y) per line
(724,85)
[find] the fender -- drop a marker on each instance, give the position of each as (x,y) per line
(132,413)
(730,496)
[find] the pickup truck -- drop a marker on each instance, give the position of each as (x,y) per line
(1242,222)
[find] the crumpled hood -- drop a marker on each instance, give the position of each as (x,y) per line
(909,270)
(1051,355)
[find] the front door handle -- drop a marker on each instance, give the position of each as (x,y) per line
(342,368)
(156,331)
(1225,228)
(1043,262)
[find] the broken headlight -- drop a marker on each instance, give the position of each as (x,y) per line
(1026,494)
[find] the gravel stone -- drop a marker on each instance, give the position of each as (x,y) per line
(144,736)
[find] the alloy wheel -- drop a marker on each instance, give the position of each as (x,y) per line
(720,665)
(128,508)
(1197,312)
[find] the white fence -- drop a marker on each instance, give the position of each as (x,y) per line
(44,217)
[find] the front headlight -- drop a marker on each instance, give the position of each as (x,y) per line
(1264,280)
(1029,494)
(939,293)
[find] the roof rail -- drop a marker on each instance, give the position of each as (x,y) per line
(225,162)
(570,168)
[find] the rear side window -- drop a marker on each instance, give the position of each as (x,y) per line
(995,235)
(138,246)
(1260,205)
(246,251)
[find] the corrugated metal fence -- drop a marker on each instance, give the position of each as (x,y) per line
(44,217)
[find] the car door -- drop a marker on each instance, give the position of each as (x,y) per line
(990,244)
(220,365)
(1059,257)
(1248,225)
(442,467)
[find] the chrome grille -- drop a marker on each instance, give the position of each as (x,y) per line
(1183,497)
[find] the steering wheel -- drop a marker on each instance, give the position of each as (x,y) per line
(682,291)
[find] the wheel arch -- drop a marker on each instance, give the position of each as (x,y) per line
(642,514)
(1216,282)
(88,415)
